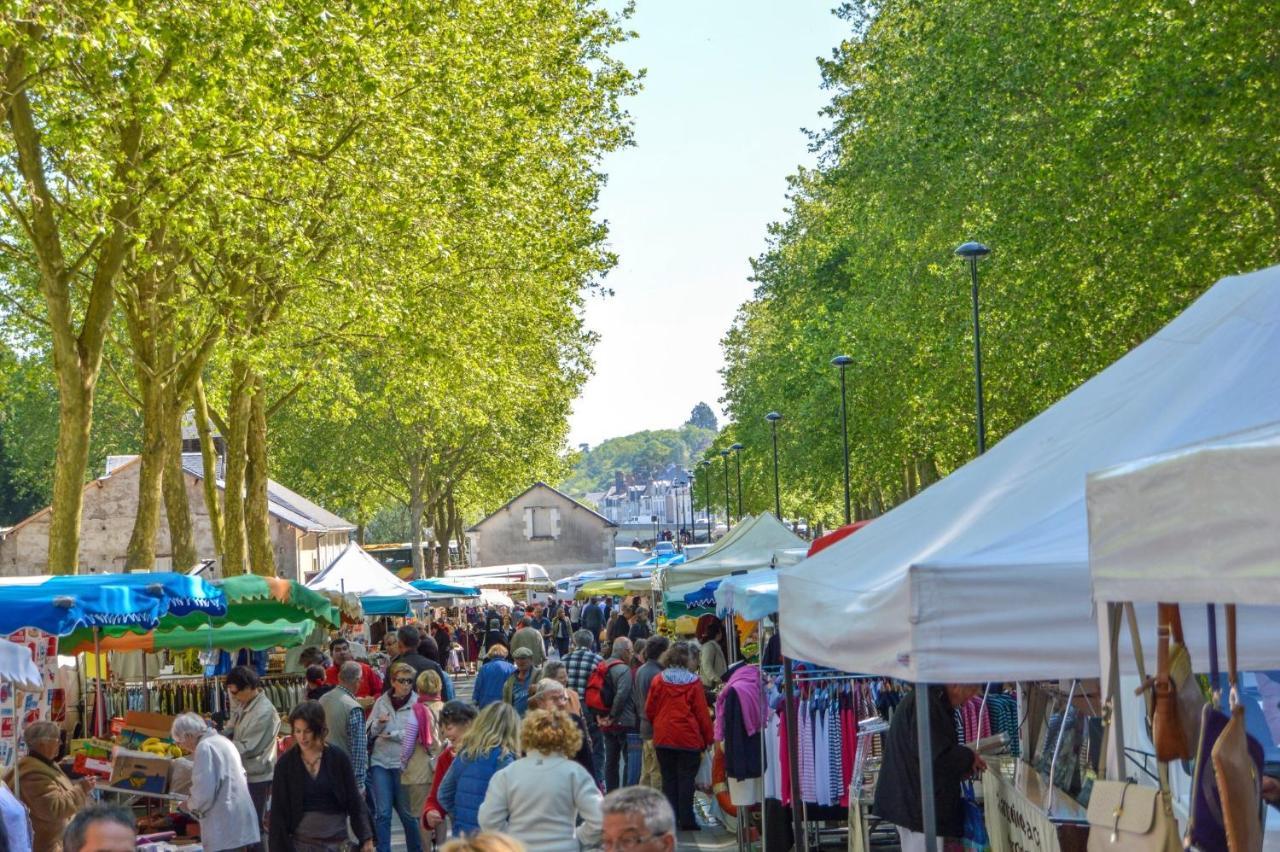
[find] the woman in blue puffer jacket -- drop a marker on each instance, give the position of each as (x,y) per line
(491,743)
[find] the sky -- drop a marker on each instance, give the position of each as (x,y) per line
(729,88)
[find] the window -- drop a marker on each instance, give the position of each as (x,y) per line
(541,523)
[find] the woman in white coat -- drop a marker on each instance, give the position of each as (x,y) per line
(541,796)
(219,795)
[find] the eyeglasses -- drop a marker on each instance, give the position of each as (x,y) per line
(625,844)
(408,680)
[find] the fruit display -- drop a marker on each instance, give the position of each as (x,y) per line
(159,747)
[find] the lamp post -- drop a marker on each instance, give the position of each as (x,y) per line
(737,463)
(843,361)
(728,509)
(773,417)
(972,252)
(706,479)
(693,520)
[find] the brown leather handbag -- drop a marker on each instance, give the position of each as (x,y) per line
(1237,763)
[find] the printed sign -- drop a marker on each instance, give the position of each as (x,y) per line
(1014,822)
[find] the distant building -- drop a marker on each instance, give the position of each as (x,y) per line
(545,527)
(629,501)
(304,536)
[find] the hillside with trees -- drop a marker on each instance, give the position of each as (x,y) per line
(641,454)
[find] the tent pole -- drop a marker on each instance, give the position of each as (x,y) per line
(924,738)
(764,701)
(146,693)
(98,707)
(800,841)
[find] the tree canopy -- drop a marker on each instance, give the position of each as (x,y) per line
(358,239)
(1117,157)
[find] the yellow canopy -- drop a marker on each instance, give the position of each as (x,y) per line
(600,588)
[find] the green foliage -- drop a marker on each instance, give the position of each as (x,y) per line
(703,417)
(1117,157)
(636,454)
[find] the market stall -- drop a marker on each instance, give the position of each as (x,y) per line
(380,592)
(755,542)
(1194,528)
(984,575)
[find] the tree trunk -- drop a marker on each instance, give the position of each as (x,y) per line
(257,517)
(440,532)
(182,544)
(141,555)
(209,458)
(75,418)
(417,509)
(235,555)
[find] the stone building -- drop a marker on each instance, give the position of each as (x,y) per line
(304,536)
(545,527)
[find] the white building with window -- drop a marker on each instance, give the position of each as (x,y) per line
(545,527)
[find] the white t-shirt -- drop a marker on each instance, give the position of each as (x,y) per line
(17,827)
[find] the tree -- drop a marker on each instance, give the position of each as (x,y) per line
(1118,158)
(703,417)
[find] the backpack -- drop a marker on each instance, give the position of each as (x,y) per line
(600,687)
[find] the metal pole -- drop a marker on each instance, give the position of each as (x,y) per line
(924,737)
(844,427)
(800,840)
(710,515)
(764,810)
(977,358)
(728,509)
(737,462)
(777,493)
(99,706)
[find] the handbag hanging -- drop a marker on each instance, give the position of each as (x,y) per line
(1123,816)
(1205,829)
(1175,698)
(1237,763)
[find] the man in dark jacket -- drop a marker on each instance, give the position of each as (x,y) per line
(592,620)
(622,719)
(898,789)
(654,648)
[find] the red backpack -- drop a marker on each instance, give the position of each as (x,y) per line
(600,688)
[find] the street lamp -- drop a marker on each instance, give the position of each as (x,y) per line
(773,417)
(737,463)
(706,468)
(973,252)
(843,361)
(728,509)
(693,520)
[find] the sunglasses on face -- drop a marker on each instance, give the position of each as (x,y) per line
(408,680)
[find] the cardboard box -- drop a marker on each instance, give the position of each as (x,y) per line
(139,727)
(140,771)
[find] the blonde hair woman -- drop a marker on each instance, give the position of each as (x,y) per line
(541,796)
(421,744)
(491,743)
(486,841)
(388,721)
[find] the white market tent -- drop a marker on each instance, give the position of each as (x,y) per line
(752,595)
(754,543)
(355,572)
(985,574)
(1196,525)
(17,667)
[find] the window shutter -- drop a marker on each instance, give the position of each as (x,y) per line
(555,523)
(528,523)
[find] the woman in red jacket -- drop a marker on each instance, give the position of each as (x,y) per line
(677,707)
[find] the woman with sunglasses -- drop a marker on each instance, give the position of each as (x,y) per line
(387,723)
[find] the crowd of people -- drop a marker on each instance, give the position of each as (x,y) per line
(584,729)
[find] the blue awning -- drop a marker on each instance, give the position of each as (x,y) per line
(60,605)
(703,598)
(444,587)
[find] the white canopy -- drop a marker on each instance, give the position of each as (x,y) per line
(985,575)
(17,667)
(754,543)
(354,571)
(752,595)
(1196,525)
